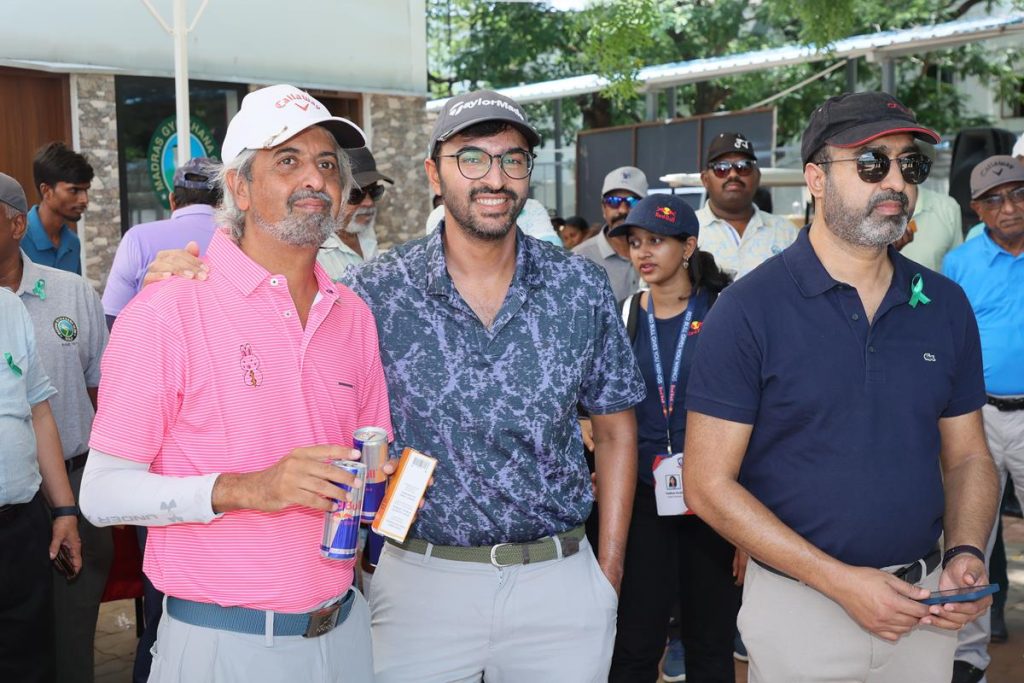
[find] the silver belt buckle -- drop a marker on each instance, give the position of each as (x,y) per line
(494,556)
(322,621)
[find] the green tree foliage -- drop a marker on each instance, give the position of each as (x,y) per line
(500,44)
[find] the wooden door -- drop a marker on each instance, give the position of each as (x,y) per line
(35,109)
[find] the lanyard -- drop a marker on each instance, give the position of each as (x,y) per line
(677,362)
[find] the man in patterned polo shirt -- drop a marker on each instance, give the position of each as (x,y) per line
(489,340)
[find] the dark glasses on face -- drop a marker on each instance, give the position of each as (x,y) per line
(872,167)
(743,167)
(615,202)
(995,202)
(358,194)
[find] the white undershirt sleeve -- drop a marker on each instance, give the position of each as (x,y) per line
(120,491)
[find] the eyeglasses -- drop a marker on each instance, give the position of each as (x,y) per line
(475,163)
(743,168)
(614,202)
(873,167)
(995,202)
(358,194)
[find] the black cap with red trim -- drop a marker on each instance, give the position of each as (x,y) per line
(853,119)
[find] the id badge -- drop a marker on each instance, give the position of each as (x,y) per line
(668,485)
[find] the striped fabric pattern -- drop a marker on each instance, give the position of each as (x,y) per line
(220,376)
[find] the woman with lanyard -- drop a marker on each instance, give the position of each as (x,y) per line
(670,554)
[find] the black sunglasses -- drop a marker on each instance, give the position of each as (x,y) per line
(358,194)
(614,202)
(743,168)
(872,167)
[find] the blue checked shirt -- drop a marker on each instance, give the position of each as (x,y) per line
(497,407)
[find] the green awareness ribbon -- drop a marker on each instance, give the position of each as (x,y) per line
(11,364)
(40,289)
(917,292)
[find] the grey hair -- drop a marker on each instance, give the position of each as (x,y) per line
(230,215)
(10,211)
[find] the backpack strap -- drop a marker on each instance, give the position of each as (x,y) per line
(630,311)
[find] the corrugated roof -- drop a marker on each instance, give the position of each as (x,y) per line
(874,46)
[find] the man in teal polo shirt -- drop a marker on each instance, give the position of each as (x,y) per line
(991,271)
(834,428)
(62,177)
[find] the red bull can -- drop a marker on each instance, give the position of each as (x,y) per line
(341,527)
(372,442)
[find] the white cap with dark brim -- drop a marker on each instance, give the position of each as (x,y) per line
(272,115)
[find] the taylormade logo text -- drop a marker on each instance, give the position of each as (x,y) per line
(454,111)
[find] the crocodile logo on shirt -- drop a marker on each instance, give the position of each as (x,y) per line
(65,328)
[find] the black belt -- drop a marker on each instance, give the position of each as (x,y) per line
(911,573)
(11,511)
(1006,405)
(77,462)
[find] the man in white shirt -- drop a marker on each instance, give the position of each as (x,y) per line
(356,242)
(732,228)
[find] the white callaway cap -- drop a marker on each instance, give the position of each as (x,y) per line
(271,115)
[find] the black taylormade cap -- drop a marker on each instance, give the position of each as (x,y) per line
(463,111)
(852,119)
(664,214)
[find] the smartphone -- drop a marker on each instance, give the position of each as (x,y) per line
(965,594)
(64,564)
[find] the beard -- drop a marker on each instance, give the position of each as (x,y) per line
(301,229)
(354,227)
(864,228)
(461,211)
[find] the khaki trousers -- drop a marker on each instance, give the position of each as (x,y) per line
(794,634)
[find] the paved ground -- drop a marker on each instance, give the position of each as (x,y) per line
(115,633)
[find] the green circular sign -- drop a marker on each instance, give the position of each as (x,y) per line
(163,153)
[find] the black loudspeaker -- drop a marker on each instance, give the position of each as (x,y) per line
(971,147)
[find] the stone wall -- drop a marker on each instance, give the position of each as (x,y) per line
(400,128)
(97,140)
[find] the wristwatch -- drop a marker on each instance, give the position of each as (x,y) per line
(65,511)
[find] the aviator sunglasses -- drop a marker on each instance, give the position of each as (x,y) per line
(356,196)
(872,167)
(615,202)
(743,168)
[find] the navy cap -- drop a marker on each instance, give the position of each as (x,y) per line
(663,214)
(198,173)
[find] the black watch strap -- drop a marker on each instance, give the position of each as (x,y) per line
(961,549)
(66,511)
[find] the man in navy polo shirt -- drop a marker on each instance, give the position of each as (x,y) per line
(991,271)
(834,426)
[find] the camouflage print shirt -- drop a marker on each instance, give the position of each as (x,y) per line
(497,407)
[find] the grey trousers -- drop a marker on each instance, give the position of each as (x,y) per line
(1004,432)
(440,621)
(76,603)
(795,634)
(193,654)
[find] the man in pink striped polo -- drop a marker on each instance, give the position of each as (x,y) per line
(221,405)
